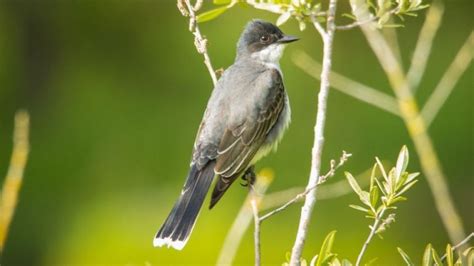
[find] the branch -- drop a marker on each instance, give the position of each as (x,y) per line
(318,137)
(345,156)
(318,26)
(348,86)
(373,230)
(200,42)
(256,234)
(425,41)
(465,240)
(356,24)
(242,221)
(369,19)
(14,178)
(446,85)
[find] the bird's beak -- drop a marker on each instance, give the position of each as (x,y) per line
(288,39)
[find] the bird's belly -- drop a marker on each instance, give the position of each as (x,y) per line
(275,134)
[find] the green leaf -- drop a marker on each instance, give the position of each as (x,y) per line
(211,14)
(382,170)
(365,198)
(405,257)
(449,255)
(283,18)
(402,162)
(335,262)
(345,262)
(359,208)
(313,260)
(469,254)
(303,262)
(373,177)
(384,19)
(355,186)
(221,2)
(329,260)
(325,250)
(302,25)
(374,196)
(411,177)
(406,187)
(436,258)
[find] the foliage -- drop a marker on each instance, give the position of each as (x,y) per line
(384,193)
(306,11)
(450,258)
(380,199)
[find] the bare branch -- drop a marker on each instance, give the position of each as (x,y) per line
(243,219)
(318,144)
(199,41)
(356,24)
(373,230)
(447,83)
(460,244)
(345,156)
(256,234)
(348,86)
(318,26)
(425,41)
(14,178)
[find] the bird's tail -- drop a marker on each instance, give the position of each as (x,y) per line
(180,222)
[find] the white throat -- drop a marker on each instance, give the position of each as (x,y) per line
(270,56)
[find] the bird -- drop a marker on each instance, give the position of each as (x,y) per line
(245,119)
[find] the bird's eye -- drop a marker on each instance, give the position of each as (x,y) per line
(265,38)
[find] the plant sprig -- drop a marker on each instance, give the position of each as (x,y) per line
(306,11)
(379,201)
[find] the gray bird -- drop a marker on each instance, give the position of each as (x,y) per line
(244,120)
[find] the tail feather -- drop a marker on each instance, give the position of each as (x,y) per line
(180,222)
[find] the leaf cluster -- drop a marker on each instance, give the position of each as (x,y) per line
(384,192)
(325,256)
(450,258)
(306,11)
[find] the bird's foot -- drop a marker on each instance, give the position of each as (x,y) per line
(249,178)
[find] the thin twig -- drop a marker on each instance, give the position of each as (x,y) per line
(256,234)
(447,83)
(416,128)
(424,44)
(355,24)
(346,85)
(318,26)
(326,192)
(359,23)
(243,219)
(14,178)
(318,144)
(373,230)
(465,241)
(345,156)
(199,41)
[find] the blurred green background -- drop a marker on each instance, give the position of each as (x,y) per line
(116,91)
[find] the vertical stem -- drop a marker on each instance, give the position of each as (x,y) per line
(317,150)
(256,234)
(14,178)
(369,238)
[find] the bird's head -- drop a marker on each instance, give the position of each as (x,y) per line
(263,41)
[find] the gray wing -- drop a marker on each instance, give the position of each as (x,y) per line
(240,143)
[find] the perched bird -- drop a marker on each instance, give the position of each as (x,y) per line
(245,119)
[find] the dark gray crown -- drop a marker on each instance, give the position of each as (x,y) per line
(257,35)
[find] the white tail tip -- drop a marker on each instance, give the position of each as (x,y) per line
(176,244)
